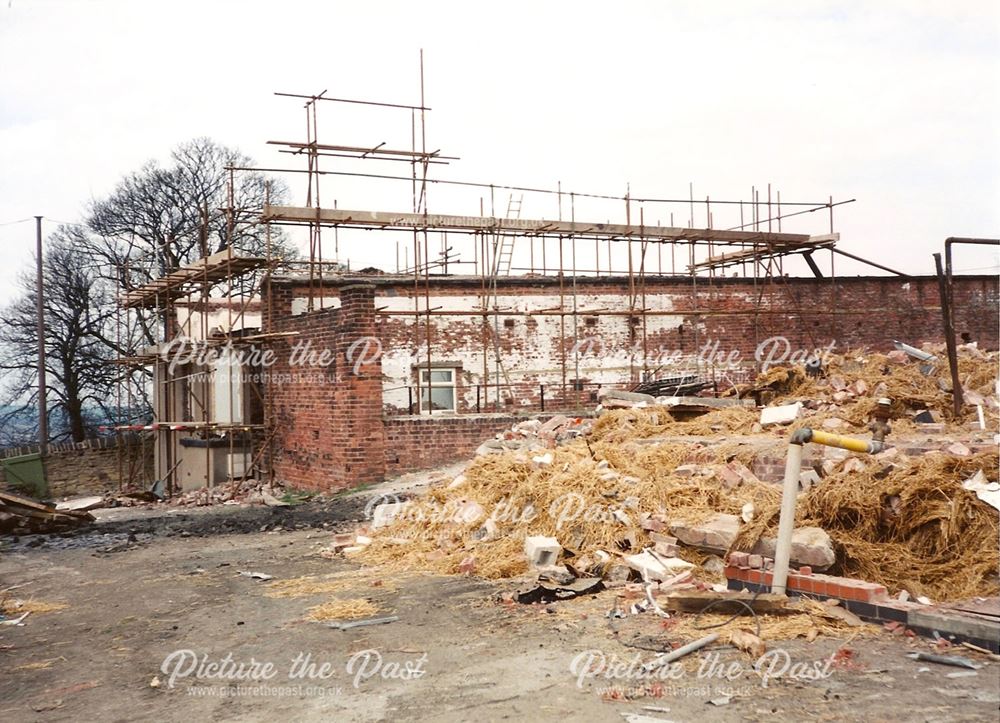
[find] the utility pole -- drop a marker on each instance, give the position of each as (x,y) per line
(43,419)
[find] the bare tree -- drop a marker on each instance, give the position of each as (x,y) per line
(155,220)
(162,217)
(78,312)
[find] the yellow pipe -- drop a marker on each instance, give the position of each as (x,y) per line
(836,440)
(793,466)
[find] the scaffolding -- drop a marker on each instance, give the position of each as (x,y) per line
(491,245)
(189,402)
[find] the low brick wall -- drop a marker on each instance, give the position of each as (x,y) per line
(91,467)
(420,442)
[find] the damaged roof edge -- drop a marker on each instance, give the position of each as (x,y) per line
(339,281)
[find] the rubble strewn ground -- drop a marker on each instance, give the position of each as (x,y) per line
(611,488)
(583,548)
(119,616)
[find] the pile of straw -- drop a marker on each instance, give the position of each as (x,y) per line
(352,609)
(568,500)
(936,539)
(909,525)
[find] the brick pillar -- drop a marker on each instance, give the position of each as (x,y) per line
(358,429)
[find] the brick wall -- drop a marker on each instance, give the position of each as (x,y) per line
(420,442)
(331,432)
(689,328)
(92,467)
(326,411)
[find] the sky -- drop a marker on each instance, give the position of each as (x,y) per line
(894,104)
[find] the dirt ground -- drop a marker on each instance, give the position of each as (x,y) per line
(155,606)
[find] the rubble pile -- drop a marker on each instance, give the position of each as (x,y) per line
(597,511)
(909,523)
(533,434)
(247,491)
(22,516)
(843,397)
(236,492)
(579,502)
(840,398)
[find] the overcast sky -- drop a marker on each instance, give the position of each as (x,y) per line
(892,103)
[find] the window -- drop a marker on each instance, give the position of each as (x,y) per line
(437,390)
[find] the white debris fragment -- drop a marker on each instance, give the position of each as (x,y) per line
(543,460)
(654,567)
(988,492)
(784,414)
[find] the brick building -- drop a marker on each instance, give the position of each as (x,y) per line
(405,389)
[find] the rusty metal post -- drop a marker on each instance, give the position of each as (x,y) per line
(43,418)
(949,335)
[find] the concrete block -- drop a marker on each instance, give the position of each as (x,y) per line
(785,414)
(541,550)
(717,533)
(807,479)
(384,514)
(951,624)
(627,397)
(810,545)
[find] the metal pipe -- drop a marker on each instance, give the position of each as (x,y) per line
(786,524)
(663,659)
(948,309)
(949,337)
(804,436)
(790,491)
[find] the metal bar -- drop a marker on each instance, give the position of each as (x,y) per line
(949,336)
(408,221)
(866,261)
(529,189)
(349,100)
(808,256)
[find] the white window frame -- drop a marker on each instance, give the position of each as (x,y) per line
(427,383)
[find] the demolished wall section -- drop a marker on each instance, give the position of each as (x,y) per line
(330,428)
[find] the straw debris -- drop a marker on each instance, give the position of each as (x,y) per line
(351,609)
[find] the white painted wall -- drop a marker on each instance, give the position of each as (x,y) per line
(536,348)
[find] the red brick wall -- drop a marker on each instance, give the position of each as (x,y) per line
(419,442)
(329,429)
(854,311)
(327,419)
